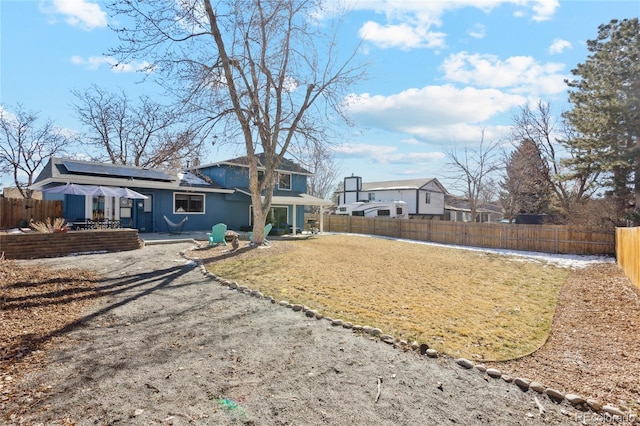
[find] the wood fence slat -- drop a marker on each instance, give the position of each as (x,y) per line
(540,238)
(15,210)
(628,252)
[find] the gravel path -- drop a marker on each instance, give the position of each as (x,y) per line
(169,345)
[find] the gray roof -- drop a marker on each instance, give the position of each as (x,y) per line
(286,165)
(65,170)
(401,184)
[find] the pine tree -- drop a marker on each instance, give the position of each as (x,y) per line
(605,114)
(526,187)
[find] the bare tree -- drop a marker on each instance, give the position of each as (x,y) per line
(142,133)
(318,160)
(474,168)
(571,185)
(261,71)
(25,146)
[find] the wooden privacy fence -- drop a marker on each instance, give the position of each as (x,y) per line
(15,210)
(540,238)
(628,252)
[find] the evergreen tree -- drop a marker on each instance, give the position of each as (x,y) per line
(526,187)
(605,114)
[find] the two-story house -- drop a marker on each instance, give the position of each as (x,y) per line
(207,194)
(424,197)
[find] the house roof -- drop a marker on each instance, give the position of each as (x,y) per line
(401,184)
(64,170)
(286,165)
(296,199)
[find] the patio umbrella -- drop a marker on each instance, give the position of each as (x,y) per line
(103,190)
(69,188)
(130,193)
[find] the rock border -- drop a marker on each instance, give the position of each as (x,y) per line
(607,412)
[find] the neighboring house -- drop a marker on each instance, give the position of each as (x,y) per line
(15,193)
(424,197)
(457,210)
(206,194)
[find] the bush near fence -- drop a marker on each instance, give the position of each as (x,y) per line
(13,211)
(628,252)
(540,238)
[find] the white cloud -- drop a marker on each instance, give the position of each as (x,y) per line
(409,24)
(519,74)
(77,13)
(558,46)
(478,31)
(544,9)
(95,62)
(384,154)
(435,115)
(403,36)
(430,106)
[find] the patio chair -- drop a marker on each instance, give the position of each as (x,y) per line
(175,228)
(217,234)
(267,229)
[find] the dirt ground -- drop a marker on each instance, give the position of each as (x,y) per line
(165,344)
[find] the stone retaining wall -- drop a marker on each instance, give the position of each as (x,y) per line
(38,245)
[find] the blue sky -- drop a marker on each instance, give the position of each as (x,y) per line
(440,72)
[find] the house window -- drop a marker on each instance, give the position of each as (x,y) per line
(284,181)
(188,203)
(372,196)
(427,198)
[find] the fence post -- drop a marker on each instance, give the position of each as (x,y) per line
(504,233)
(557,242)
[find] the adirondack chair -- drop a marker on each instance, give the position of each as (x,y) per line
(217,234)
(267,229)
(175,228)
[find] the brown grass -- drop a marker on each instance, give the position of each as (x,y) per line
(463,303)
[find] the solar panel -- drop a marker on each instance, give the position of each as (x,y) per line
(114,170)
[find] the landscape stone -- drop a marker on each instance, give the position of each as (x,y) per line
(387,339)
(241,288)
(423,348)
(347,325)
(554,394)
(575,399)
(337,322)
(283,303)
(594,404)
(296,307)
(415,345)
(319,316)
(232,285)
(492,372)
(375,332)
(481,367)
(431,353)
(465,363)
(522,383)
(507,378)
(536,387)
(367,329)
(615,411)
(310,313)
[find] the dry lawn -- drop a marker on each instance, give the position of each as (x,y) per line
(463,303)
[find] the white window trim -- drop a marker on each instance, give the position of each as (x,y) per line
(204,202)
(290,181)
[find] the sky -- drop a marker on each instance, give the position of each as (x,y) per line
(442,75)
